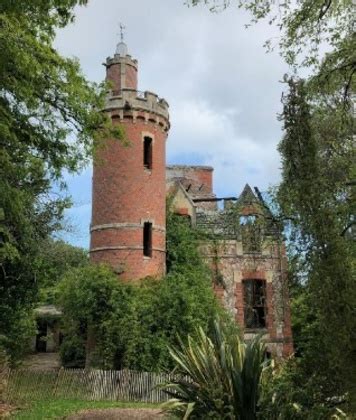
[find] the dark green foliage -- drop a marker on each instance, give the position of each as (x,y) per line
(53,260)
(17,327)
(318,194)
(183,254)
(4,366)
(27,218)
(286,393)
(318,164)
(133,325)
(221,376)
(49,122)
(162,311)
(72,352)
(91,296)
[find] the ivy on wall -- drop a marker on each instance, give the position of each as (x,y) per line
(133,325)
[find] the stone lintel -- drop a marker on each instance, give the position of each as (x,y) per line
(267,275)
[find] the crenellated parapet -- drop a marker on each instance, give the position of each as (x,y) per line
(137,105)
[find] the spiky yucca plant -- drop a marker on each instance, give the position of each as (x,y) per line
(220,376)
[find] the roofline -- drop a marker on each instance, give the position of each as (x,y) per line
(206,168)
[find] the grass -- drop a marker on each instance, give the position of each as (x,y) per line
(59,408)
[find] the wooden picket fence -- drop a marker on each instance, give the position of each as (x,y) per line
(98,385)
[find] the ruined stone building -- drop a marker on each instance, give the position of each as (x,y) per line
(246,253)
(130,185)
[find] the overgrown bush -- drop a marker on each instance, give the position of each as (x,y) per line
(90,299)
(162,310)
(281,397)
(21,328)
(133,325)
(72,351)
(288,394)
(55,257)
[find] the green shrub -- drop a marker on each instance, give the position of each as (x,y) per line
(133,325)
(288,394)
(72,352)
(20,330)
(89,296)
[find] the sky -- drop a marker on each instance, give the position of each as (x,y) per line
(223,89)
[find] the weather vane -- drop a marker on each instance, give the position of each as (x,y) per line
(122,27)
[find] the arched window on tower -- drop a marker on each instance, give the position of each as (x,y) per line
(255,308)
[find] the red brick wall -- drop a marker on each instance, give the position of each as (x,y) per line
(114,76)
(195,175)
(124,192)
(204,176)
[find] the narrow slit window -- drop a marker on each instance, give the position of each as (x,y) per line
(147,239)
(147,152)
(255,310)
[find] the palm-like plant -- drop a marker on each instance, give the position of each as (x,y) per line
(220,376)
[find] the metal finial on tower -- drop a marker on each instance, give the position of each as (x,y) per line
(121,48)
(122,27)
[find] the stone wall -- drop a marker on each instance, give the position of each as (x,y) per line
(233,263)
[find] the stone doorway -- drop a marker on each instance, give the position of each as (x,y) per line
(41,337)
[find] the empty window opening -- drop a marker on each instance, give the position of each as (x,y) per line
(41,342)
(147,239)
(251,234)
(147,152)
(255,303)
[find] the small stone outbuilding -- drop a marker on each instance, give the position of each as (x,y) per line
(49,336)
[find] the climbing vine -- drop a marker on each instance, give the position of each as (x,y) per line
(132,326)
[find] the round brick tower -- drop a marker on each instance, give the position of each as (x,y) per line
(129,182)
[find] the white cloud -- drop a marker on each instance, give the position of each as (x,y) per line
(216,140)
(222,87)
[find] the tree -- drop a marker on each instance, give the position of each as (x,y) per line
(94,304)
(306,27)
(49,122)
(54,259)
(315,196)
